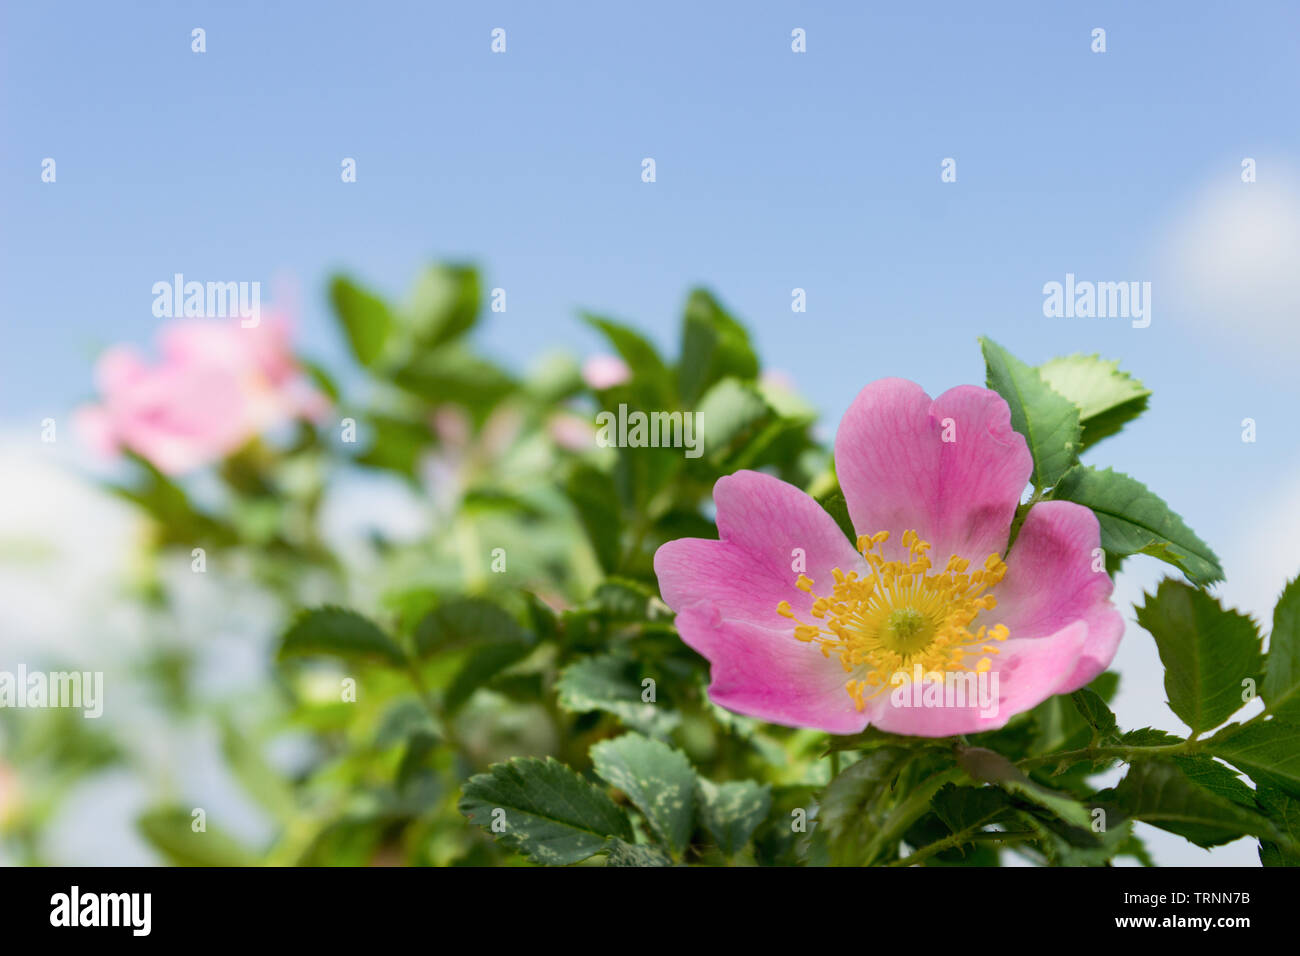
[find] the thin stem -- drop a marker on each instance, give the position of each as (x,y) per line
(972,835)
(1103,753)
(909,811)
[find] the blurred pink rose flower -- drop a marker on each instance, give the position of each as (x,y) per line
(571,432)
(215,387)
(605,371)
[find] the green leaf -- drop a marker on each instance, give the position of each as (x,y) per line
(366,318)
(639,353)
(443,306)
(1149,737)
(484,664)
(990,767)
(1281,690)
(1207,772)
(1096,714)
(1107,398)
(834,505)
(969,808)
(619,853)
(714,345)
(399,444)
(612,683)
(1269,752)
(1207,652)
(1135,521)
(1158,792)
(262,782)
(730,414)
(171,833)
(550,814)
(455,374)
(656,778)
(595,497)
(466,622)
(340,633)
(1284,812)
(1049,421)
(854,807)
(731,812)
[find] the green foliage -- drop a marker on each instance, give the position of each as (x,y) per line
(657,779)
(172,833)
(339,632)
(1106,397)
(544,810)
(731,812)
(1281,687)
(1135,521)
(1048,420)
(1209,654)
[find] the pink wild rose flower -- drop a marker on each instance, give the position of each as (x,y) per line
(216,386)
(931,487)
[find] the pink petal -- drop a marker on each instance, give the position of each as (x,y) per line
(1051,583)
(605,371)
(94,425)
(118,367)
(897,472)
(1029,671)
(726,592)
(765,673)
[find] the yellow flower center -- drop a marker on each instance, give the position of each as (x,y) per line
(902,614)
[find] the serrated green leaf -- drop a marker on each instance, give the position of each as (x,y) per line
(550,813)
(1207,772)
(1096,714)
(612,683)
(1149,737)
(1048,421)
(339,632)
(619,853)
(969,808)
(1135,521)
(1158,792)
(1207,652)
(1281,689)
(1284,813)
(731,812)
(1107,398)
(656,778)
(366,318)
(1269,752)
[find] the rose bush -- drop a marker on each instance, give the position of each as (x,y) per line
(554,649)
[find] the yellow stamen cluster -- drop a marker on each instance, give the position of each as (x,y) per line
(901,615)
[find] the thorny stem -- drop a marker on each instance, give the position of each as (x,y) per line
(1103,753)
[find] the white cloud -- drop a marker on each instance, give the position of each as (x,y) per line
(1230,262)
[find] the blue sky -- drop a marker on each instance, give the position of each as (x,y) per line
(775,170)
